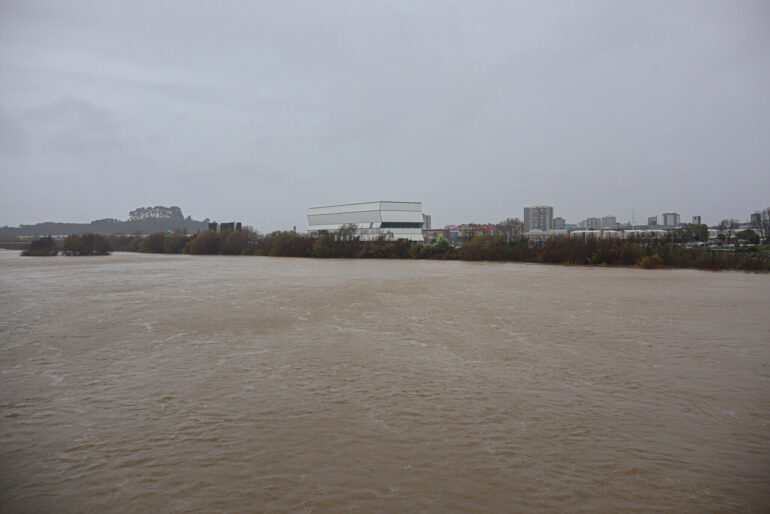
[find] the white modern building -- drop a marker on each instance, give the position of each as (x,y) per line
(399,220)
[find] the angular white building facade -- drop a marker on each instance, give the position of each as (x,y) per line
(402,220)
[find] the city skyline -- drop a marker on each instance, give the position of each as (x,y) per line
(601,221)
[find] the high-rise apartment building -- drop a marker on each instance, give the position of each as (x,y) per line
(559,223)
(671,219)
(609,222)
(696,220)
(594,223)
(652,221)
(538,217)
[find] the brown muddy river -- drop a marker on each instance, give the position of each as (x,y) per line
(140,383)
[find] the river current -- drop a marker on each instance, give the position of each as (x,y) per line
(154,383)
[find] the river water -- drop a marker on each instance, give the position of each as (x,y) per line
(154,383)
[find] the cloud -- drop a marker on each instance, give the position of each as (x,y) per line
(477,109)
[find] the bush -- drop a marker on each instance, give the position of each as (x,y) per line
(205,243)
(41,247)
(154,243)
(751,263)
(174,243)
(86,244)
(484,247)
(290,244)
(651,261)
(705,260)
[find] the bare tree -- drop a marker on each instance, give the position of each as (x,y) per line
(346,233)
(513,228)
(764,224)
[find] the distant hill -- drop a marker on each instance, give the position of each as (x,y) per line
(144,220)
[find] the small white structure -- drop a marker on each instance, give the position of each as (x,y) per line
(540,235)
(598,234)
(644,234)
(399,220)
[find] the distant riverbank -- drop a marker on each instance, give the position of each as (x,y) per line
(649,253)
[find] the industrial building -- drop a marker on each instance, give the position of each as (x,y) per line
(399,220)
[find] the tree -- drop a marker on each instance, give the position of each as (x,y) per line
(207,243)
(726,227)
(729,223)
(73,245)
(690,232)
(42,247)
(346,233)
(158,211)
(484,247)
(86,244)
(154,243)
(749,236)
(512,227)
(174,243)
(290,244)
(239,242)
(96,244)
(764,225)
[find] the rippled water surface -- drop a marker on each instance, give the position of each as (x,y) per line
(147,383)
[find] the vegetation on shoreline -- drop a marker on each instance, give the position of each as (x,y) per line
(86,244)
(43,247)
(344,244)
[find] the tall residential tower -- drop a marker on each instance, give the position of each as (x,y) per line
(538,217)
(671,219)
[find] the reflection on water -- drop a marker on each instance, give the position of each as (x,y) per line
(177,383)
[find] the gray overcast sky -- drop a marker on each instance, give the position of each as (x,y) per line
(254,111)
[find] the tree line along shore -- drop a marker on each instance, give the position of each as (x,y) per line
(648,253)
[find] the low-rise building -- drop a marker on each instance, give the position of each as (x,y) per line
(541,235)
(643,234)
(599,234)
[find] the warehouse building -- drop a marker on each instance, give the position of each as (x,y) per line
(399,220)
